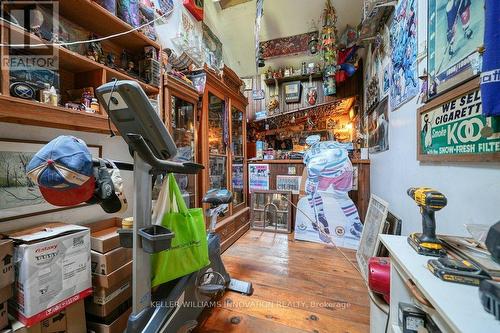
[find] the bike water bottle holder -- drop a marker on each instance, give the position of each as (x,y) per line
(153,239)
(156,238)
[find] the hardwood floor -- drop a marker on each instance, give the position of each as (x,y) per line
(298,287)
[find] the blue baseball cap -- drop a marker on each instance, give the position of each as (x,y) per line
(63,170)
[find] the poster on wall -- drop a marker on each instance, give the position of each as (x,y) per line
(456,30)
(457,131)
(258,177)
(326,214)
(19,195)
(288,183)
(378,128)
(403,35)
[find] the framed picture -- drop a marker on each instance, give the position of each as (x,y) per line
(455,31)
(378,127)
(292,91)
(451,128)
(376,216)
(403,40)
(288,183)
(258,177)
(247,83)
(19,196)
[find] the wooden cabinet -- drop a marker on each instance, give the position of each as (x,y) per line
(180,117)
(68,69)
(222,146)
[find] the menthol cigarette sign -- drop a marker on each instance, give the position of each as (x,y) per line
(456,130)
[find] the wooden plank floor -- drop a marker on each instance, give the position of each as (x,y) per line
(298,287)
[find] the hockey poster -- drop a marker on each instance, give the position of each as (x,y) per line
(258,177)
(403,37)
(457,128)
(456,30)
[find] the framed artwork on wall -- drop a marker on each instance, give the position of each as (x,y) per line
(19,196)
(403,40)
(451,128)
(455,32)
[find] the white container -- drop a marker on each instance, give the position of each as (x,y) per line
(52,264)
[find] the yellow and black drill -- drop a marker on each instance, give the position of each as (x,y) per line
(429,201)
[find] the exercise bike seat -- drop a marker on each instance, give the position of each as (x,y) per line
(218,197)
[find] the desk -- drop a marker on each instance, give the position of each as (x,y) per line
(457,307)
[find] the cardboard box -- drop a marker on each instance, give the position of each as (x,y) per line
(105,295)
(105,301)
(4,319)
(6,263)
(70,320)
(104,237)
(117,326)
(52,264)
(6,293)
(106,263)
(114,278)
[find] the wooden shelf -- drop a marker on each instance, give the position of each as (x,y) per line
(75,62)
(271,82)
(26,112)
(98,20)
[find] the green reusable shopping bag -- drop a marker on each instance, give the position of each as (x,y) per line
(189,250)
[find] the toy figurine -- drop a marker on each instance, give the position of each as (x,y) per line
(130,66)
(94,50)
(110,60)
(124,60)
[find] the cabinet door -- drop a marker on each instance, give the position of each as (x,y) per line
(217,141)
(237,158)
(182,122)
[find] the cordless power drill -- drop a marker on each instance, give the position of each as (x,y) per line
(429,201)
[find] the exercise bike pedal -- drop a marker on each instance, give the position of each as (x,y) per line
(241,287)
(211,289)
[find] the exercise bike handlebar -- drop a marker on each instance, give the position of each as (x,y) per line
(138,144)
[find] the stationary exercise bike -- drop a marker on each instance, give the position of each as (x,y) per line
(173,307)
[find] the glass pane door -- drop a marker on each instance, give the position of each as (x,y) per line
(183,131)
(237,156)
(217,140)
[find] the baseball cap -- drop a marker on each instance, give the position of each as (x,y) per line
(63,171)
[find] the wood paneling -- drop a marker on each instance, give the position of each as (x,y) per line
(351,87)
(298,287)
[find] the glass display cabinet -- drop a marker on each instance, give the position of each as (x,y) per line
(222,148)
(237,158)
(180,118)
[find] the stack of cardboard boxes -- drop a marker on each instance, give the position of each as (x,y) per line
(6,279)
(53,276)
(109,307)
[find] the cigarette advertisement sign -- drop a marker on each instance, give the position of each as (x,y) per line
(456,130)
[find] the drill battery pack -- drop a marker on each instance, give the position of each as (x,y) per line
(426,249)
(457,271)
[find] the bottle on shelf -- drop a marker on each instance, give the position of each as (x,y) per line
(53,96)
(94,106)
(45,94)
